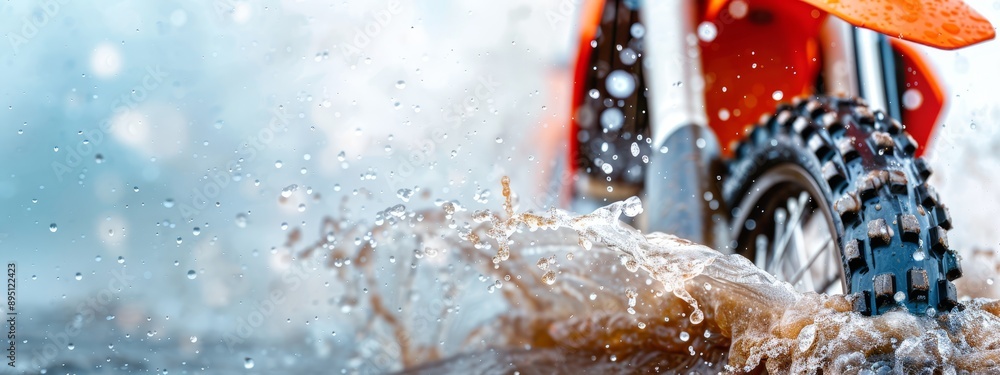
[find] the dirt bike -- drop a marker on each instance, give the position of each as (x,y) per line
(827,192)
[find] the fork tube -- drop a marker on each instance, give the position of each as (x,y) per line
(682,192)
(870,71)
(673,65)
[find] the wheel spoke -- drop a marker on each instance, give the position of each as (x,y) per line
(830,282)
(780,216)
(796,218)
(798,243)
(761,256)
(784,234)
(812,259)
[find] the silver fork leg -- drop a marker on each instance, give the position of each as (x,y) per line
(682,190)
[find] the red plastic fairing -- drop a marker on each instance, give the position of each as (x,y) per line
(764,52)
(922,95)
(589,20)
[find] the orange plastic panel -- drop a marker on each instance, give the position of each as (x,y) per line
(946,24)
(589,20)
(769,54)
(923,97)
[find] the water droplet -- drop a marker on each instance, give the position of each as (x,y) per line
(248,363)
(549,277)
(724,114)
(287,191)
(637,30)
(635,149)
(707,31)
(899,296)
(912,99)
(121,260)
(632,206)
(612,119)
(168,203)
(400,84)
(628,57)
(593,296)
(194,338)
(499,140)
(543,263)
(397,211)
(594,93)
(241,220)
(97,258)
(70,346)
(697,317)
(807,336)
(989,281)
(192,274)
(196,231)
(404,194)
(685,336)
(99,158)
(53,227)
(919,255)
(79,276)
(777,95)
(620,84)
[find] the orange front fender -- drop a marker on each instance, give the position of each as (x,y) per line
(945,24)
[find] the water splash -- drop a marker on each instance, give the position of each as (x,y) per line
(631,302)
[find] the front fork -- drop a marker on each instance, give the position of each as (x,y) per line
(683,177)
